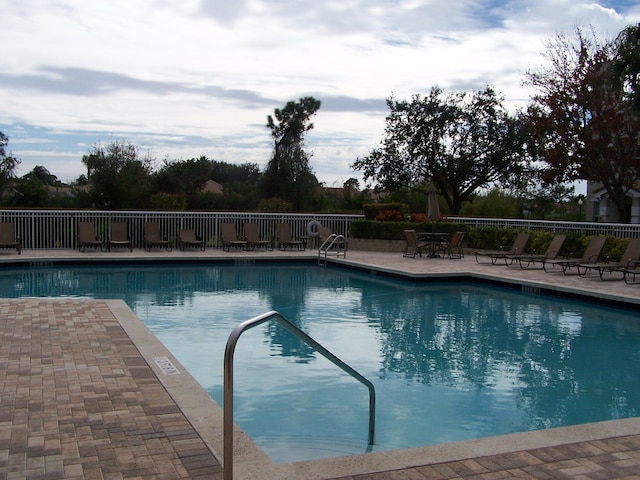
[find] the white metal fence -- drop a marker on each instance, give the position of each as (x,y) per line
(622,230)
(46,229)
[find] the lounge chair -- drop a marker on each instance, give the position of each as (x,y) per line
(518,247)
(631,271)
(252,234)
(153,237)
(526,260)
(285,239)
(591,255)
(87,237)
(629,256)
(188,239)
(119,236)
(453,247)
(230,238)
(412,245)
(8,238)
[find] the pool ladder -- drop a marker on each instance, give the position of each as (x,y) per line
(333,245)
(228,380)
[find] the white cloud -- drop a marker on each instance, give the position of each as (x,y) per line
(193,78)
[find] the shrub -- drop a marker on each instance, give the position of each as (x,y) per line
(372,210)
(393,230)
(418,217)
(274,204)
(389,216)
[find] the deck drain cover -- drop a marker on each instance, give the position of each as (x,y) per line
(166,366)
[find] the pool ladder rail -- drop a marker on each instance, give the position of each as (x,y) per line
(227,427)
(334,244)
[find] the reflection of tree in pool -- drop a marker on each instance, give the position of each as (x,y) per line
(562,383)
(285,289)
(492,342)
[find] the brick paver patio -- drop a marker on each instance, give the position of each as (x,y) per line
(78,400)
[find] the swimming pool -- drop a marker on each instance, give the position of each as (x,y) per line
(451,361)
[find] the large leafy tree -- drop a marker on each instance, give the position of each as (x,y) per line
(8,165)
(183,177)
(118,175)
(288,174)
(31,188)
(583,124)
(460,142)
(626,64)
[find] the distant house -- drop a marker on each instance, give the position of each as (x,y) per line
(600,208)
(212,186)
(340,192)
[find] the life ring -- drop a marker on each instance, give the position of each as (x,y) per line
(313,228)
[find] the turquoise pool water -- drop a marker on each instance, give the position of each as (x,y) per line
(449,361)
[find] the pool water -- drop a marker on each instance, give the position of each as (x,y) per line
(449,362)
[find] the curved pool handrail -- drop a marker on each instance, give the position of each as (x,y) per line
(228,380)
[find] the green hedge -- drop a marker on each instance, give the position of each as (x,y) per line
(393,230)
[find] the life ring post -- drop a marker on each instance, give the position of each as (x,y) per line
(313,228)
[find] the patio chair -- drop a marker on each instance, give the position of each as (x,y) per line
(591,255)
(526,260)
(119,236)
(412,245)
(285,239)
(153,237)
(230,238)
(188,239)
(518,247)
(8,238)
(453,247)
(87,237)
(629,256)
(252,235)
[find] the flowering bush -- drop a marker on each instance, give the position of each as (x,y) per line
(418,217)
(389,216)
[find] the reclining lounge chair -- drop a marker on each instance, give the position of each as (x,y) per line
(119,236)
(518,247)
(8,238)
(87,237)
(252,235)
(526,260)
(188,239)
(630,255)
(153,237)
(285,239)
(229,237)
(591,255)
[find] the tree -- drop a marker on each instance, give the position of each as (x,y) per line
(626,64)
(119,177)
(459,142)
(8,165)
(184,178)
(288,174)
(582,124)
(31,189)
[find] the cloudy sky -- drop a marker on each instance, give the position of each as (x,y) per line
(187,78)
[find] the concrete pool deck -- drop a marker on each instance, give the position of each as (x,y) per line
(87,392)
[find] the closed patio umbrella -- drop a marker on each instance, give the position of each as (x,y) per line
(433,209)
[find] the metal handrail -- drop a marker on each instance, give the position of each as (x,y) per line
(228,380)
(328,244)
